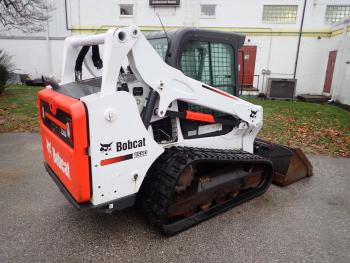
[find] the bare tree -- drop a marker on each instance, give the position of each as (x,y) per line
(25,15)
(6,68)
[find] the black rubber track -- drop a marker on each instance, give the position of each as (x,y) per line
(165,172)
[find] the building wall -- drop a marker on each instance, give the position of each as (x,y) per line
(341,76)
(312,65)
(86,14)
(41,53)
(36,57)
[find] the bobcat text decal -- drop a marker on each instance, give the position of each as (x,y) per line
(122,146)
(57,159)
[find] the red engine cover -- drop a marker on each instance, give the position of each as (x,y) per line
(69,162)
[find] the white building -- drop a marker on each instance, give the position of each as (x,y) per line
(272,28)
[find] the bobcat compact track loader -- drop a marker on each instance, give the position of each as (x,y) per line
(162,125)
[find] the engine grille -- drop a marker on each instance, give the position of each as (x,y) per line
(62,117)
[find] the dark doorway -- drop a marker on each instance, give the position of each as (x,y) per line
(329,72)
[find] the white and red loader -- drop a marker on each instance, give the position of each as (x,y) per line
(162,124)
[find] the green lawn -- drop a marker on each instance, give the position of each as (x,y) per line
(18,109)
(316,128)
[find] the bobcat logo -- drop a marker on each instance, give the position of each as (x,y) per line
(56,157)
(106,147)
(253,114)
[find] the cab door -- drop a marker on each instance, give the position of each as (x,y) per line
(212,64)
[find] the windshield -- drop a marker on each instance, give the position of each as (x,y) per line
(160,45)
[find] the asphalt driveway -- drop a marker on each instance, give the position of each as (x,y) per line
(305,222)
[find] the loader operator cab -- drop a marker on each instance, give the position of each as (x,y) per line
(207,56)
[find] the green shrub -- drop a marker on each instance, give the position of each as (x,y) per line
(6,68)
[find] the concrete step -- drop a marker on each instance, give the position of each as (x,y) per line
(313,98)
(250,91)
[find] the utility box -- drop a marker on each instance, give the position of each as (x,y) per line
(281,88)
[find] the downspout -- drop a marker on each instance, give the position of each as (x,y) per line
(79,18)
(267,63)
(66,13)
(48,44)
(299,40)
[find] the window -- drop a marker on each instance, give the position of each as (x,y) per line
(222,59)
(160,45)
(335,13)
(208,10)
(210,63)
(195,61)
(126,10)
(280,13)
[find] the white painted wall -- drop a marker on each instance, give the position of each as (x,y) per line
(32,56)
(312,65)
(228,13)
(41,53)
(341,77)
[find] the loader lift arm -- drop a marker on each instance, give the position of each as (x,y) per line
(169,83)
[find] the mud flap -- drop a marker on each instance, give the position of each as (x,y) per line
(290,165)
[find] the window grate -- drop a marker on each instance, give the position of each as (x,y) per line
(222,64)
(160,45)
(195,61)
(210,63)
(208,10)
(335,13)
(126,10)
(280,14)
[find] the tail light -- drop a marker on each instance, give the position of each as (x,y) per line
(42,112)
(69,131)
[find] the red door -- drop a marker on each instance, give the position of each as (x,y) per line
(249,65)
(329,72)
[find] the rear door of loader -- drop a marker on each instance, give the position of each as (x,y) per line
(63,128)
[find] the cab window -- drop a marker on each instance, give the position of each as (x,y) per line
(210,63)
